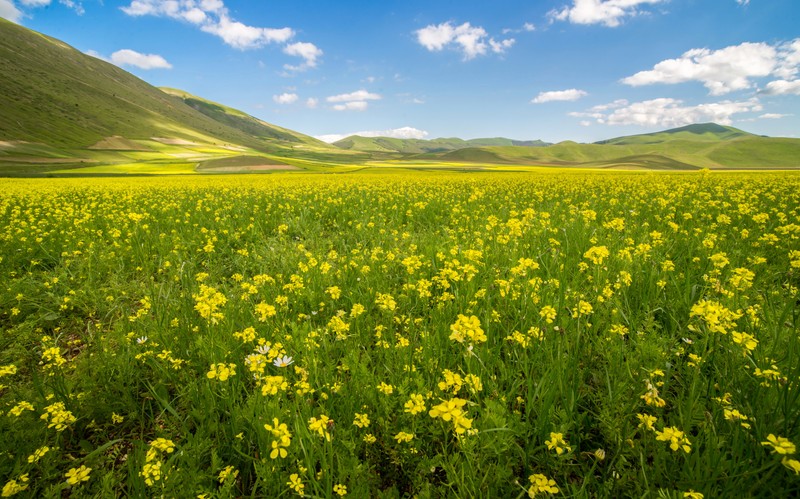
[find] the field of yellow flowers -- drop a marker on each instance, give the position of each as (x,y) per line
(426,335)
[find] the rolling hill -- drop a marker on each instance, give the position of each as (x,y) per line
(705,132)
(697,146)
(65,108)
(419,146)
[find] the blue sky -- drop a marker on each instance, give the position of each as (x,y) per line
(555,70)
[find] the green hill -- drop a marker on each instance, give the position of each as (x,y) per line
(708,132)
(683,150)
(64,109)
(421,146)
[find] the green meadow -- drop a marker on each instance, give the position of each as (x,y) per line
(401,335)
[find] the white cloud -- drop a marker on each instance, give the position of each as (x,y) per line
(127,57)
(12,13)
(773,116)
(606,12)
(9,11)
(721,71)
(357,105)
(358,95)
(312,102)
(571,94)
(285,98)
(405,132)
(212,17)
(471,40)
(725,70)
(670,113)
(527,28)
(782,87)
(501,47)
(72,4)
(743,2)
(308,51)
(242,37)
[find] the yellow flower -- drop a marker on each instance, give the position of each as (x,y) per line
(221,371)
(415,404)
(792,464)
(467,328)
(361,420)
(548,313)
(38,454)
(780,445)
(227,472)
(77,475)
(283,438)
(693,495)
(340,489)
(404,437)
(13,487)
(321,426)
(596,254)
(296,484)
(385,389)
(675,437)
(558,443)
(540,484)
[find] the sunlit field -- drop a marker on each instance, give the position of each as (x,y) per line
(405,335)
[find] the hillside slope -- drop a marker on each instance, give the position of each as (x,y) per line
(61,106)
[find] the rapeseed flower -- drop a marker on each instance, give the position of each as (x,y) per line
(77,475)
(558,443)
(296,484)
(780,445)
(13,487)
(540,484)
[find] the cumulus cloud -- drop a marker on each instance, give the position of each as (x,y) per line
(725,70)
(782,87)
(211,16)
(285,98)
(405,132)
(606,12)
(12,12)
(353,96)
(9,11)
(312,102)
(571,94)
(666,112)
(242,36)
(128,57)
(358,105)
(308,51)
(471,40)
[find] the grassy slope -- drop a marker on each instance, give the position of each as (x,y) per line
(65,109)
(56,95)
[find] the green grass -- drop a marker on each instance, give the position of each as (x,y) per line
(673,296)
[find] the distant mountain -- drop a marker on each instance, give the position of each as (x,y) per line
(691,147)
(419,146)
(709,132)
